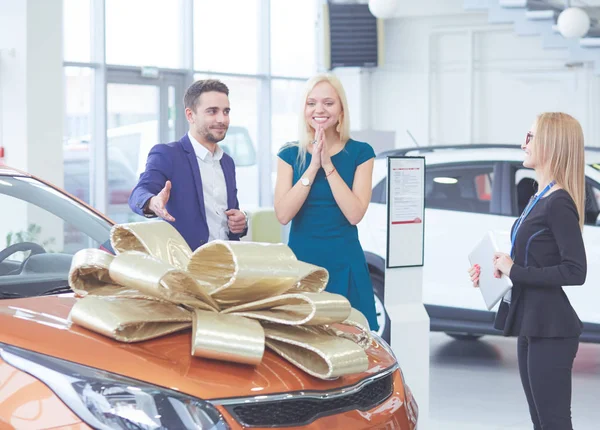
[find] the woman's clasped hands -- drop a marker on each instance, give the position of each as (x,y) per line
(317,149)
(320,152)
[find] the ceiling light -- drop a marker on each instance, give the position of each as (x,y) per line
(383,8)
(573,22)
(445,180)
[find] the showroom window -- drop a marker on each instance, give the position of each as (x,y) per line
(144,33)
(293,37)
(132,122)
(139,65)
(239,146)
(226,35)
(77,30)
(287,106)
(77,142)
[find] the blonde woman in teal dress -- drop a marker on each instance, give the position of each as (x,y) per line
(324,188)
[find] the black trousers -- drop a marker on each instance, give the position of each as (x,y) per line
(545,366)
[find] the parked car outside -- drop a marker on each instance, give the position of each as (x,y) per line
(56,374)
(470,190)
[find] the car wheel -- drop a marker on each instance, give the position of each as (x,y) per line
(382,316)
(464,336)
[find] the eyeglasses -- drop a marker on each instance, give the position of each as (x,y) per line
(528,138)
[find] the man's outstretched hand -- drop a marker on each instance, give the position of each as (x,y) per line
(158,203)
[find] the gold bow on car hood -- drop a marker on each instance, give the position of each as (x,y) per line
(238,296)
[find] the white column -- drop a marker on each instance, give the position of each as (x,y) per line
(410,331)
(31,99)
(31,80)
(409,321)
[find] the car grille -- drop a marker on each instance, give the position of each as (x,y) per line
(301,411)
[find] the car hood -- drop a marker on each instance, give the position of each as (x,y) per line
(41,324)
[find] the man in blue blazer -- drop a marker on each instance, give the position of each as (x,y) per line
(191,183)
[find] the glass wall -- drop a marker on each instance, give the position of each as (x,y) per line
(144,33)
(293,37)
(133,112)
(226,35)
(264,50)
(77,142)
(77,30)
(286,96)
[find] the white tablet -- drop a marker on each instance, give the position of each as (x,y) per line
(492,289)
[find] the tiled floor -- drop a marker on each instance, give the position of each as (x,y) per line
(475,385)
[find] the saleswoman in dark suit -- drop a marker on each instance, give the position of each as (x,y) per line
(547,254)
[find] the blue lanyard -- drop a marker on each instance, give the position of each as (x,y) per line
(526,211)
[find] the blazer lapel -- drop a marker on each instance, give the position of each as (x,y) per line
(191,156)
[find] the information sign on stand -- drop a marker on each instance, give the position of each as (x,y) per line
(406,212)
(409,321)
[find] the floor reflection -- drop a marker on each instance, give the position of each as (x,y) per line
(477,352)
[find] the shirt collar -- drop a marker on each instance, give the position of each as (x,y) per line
(202,152)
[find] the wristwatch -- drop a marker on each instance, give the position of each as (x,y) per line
(146,209)
(305,181)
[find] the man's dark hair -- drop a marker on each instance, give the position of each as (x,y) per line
(203,86)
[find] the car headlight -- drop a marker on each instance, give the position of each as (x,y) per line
(412,409)
(411,406)
(383,344)
(108,401)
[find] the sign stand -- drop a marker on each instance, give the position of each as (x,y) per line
(404,275)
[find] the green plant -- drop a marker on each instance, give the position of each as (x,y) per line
(32,234)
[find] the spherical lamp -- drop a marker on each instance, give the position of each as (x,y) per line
(383,8)
(573,22)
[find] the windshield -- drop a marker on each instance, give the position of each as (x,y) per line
(41,230)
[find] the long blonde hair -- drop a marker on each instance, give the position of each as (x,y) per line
(306,134)
(560,144)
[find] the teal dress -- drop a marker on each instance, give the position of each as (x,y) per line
(320,234)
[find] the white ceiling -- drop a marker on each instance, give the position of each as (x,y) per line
(579,3)
(412,8)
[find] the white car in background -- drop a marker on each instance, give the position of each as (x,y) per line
(469,190)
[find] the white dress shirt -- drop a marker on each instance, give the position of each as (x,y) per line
(214,189)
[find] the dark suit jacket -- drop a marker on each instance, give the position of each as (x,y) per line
(549,254)
(177,162)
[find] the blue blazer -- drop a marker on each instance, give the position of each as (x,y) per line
(177,162)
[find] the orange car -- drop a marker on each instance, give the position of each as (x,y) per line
(57,375)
